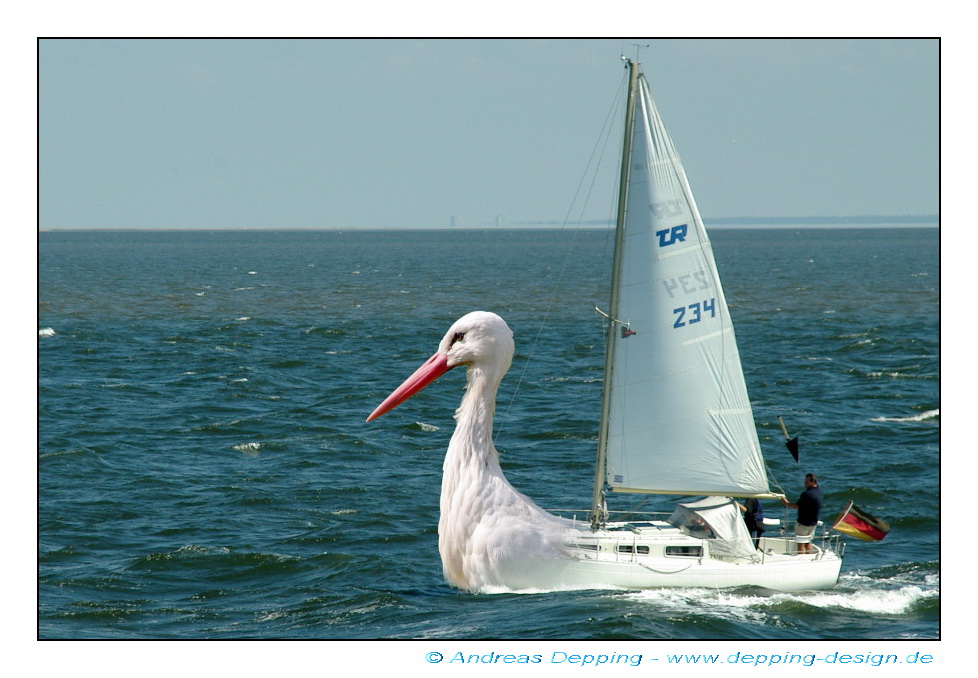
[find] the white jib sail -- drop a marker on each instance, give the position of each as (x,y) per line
(680,421)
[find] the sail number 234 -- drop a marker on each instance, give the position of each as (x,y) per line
(689,315)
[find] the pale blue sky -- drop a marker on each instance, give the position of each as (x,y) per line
(390,133)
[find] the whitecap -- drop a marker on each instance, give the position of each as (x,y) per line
(46,332)
(891,601)
(923,416)
(249,449)
(272,616)
(429,428)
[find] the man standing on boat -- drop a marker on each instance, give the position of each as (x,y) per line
(754,519)
(809,507)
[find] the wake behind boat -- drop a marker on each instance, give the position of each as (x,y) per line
(676,419)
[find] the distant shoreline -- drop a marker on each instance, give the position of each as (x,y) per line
(745,223)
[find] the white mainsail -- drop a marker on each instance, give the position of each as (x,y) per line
(678,418)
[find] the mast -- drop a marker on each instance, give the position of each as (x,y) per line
(598,506)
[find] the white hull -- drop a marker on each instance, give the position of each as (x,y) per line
(660,556)
(778,573)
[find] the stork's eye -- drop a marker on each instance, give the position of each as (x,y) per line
(459,336)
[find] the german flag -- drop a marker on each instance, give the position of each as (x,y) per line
(857,523)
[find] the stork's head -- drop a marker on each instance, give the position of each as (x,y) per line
(479,339)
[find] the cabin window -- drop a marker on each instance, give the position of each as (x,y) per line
(685,551)
(629,548)
(586,547)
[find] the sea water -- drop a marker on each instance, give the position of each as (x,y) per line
(205,471)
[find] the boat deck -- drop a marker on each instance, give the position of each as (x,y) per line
(640,539)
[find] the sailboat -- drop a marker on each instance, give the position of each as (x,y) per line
(675,419)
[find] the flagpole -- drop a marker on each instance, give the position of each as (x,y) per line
(842,515)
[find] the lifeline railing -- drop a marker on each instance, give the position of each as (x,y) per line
(827,542)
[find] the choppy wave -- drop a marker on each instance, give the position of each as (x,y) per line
(903,600)
(923,416)
(251,449)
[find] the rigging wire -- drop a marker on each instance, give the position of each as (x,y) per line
(592,167)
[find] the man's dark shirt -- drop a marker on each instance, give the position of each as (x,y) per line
(809,506)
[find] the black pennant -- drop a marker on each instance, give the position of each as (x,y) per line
(792,446)
(791,443)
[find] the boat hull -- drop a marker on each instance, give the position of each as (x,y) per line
(788,573)
(660,556)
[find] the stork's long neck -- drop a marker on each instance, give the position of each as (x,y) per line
(471,447)
(471,482)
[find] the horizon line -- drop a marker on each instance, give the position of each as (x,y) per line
(864,221)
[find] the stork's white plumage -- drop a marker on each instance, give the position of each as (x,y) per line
(489,534)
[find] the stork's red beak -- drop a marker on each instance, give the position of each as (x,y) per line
(436,366)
